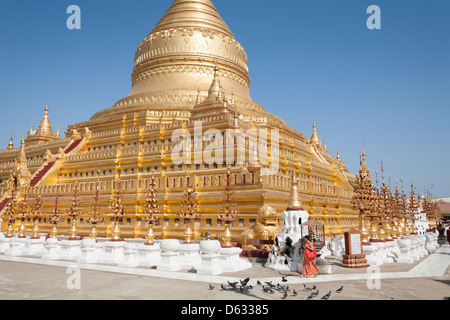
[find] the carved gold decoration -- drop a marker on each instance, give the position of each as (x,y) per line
(189,212)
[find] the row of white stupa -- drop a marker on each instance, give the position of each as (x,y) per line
(406,249)
(206,257)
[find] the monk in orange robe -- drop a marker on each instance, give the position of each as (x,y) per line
(309,265)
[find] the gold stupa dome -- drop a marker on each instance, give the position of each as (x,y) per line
(178,60)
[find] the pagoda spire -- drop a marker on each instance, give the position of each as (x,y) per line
(45,127)
(215,91)
(419,203)
(31,130)
(364,163)
(23,156)
(315,138)
(412,201)
(198,97)
(10,144)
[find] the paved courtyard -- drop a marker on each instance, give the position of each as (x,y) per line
(26,278)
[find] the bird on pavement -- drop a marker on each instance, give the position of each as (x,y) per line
(340,289)
(284,276)
(316,293)
(244,282)
(267,289)
(258,282)
(314,287)
(311,296)
(295,292)
(211,287)
(270,284)
(327,296)
(306,287)
(232,284)
(244,289)
(285,295)
(223,287)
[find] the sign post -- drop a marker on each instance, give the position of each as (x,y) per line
(354,257)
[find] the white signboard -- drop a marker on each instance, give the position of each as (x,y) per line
(355,240)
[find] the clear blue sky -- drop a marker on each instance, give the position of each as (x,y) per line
(309,60)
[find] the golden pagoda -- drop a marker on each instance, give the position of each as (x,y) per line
(189,70)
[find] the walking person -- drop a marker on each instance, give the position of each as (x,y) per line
(309,259)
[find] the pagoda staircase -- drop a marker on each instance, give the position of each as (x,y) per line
(41,173)
(4,202)
(46,169)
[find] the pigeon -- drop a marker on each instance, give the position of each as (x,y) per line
(244,289)
(211,287)
(258,282)
(223,287)
(295,292)
(340,289)
(232,284)
(285,295)
(314,287)
(266,289)
(311,296)
(327,296)
(279,287)
(270,284)
(306,287)
(250,286)
(283,276)
(316,293)
(244,282)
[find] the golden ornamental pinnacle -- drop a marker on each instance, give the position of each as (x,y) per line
(10,213)
(73,213)
(36,215)
(22,215)
(227,213)
(117,210)
(364,200)
(94,217)
(189,212)
(55,218)
(150,211)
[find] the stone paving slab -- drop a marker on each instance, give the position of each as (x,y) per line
(434,265)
